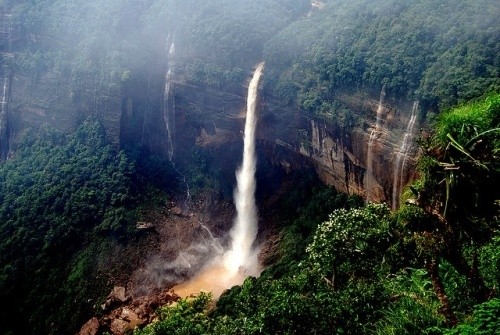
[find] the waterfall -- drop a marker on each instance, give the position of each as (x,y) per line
(4,137)
(242,255)
(168,104)
(230,268)
(369,153)
(4,95)
(3,114)
(169,115)
(401,156)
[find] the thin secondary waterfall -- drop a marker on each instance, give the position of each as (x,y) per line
(242,255)
(169,113)
(369,153)
(168,105)
(3,114)
(402,155)
(4,137)
(4,95)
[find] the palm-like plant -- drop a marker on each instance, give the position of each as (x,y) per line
(457,192)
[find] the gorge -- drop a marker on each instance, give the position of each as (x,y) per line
(122,124)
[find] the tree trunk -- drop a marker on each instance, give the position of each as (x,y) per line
(446,310)
(476,282)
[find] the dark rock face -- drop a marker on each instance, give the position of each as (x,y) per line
(209,117)
(292,139)
(199,115)
(364,160)
(5,52)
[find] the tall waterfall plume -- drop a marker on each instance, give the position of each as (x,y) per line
(230,267)
(369,178)
(402,155)
(168,102)
(242,255)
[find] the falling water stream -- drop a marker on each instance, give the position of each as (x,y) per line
(402,155)
(3,117)
(168,105)
(4,138)
(232,266)
(4,96)
(369,183)
(169,116)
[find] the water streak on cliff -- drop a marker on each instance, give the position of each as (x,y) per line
(242,255)
(374,134)
(3,112)
(6,48)
(401,157)
(168,102)
(4,95)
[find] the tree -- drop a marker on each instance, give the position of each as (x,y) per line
(456,210)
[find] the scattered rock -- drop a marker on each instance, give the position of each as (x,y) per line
(119,326)
(196,224)
(128,312)
(118,293)
(176,210)
(144,225)
(123,320)
(116,297)
(91,327)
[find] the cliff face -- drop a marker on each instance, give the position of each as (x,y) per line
(211,118)
(375,158)
(162,112)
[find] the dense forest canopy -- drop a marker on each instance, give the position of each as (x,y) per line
(65,203)
(442,52)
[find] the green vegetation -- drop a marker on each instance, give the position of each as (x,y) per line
(65,202)
(172,319)
(365,270)
(108,46)
(484,320)
(440,53)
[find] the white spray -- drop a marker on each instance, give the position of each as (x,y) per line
(242,255)
(369,154)
(402,155)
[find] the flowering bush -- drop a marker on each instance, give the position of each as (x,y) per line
(352,242)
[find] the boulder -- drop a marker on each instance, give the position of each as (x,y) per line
(118,293)
(176,210)
(119,326)
(144,225)
(91,327)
